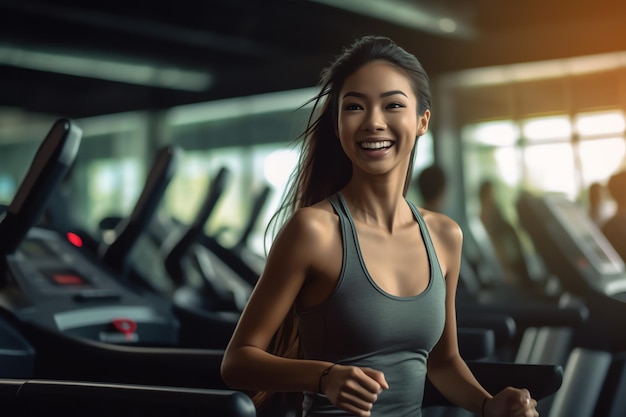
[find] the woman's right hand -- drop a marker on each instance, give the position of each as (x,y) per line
(354,389)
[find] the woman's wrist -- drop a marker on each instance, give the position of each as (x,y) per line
(483,409)
(321,379)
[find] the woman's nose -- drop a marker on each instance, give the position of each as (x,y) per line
(375,121)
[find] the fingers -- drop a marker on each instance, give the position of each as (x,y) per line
(524,396)
(356,400)
(525,406)
(527,409)
(355,389)
(377,376)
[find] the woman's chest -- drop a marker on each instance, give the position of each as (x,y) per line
(399,264)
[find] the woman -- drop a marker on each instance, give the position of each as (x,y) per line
(356,303)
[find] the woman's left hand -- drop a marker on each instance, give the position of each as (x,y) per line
(511,402)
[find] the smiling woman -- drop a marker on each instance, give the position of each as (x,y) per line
(356,304)
(378,113)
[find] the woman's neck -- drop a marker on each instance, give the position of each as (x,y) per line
(382,207)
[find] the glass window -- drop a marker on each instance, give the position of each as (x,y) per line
(600,158)
(547,128)
(425,152)
(491,155)
(15,159)
(189,186)
(424,156)
(600,123)
(497,164)
(194,180)
(550,167)
(113,187)
(8,187)
(274,165)
(496,133)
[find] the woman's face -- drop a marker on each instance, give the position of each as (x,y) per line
(377,119)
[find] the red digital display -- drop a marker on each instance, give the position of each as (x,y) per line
(67,279)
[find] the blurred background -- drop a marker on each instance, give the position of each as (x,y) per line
(527,95)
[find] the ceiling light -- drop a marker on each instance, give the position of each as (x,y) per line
(106,69)
(406,14)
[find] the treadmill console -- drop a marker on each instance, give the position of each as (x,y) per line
(56,285)
(571,245)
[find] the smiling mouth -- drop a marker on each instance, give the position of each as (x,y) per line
(384,144)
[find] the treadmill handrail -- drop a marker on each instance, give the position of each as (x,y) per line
(541,380)
(63,397)
(176,246)
(53,159)
(200,368)
(162,171)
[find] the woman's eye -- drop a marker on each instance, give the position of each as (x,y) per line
(395,106)
(352,107)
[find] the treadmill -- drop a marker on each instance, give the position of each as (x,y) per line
(57,312)
(49,283)
(65,314)
(575,250)
(588,267)
(167,260)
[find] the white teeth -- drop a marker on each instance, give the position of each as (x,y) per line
(376,145)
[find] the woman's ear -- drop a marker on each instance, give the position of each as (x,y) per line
(422,122)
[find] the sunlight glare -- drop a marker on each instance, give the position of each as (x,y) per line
(555,127)
(588,124)
(498,133)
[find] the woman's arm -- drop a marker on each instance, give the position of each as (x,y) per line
(246,364)
(446,369)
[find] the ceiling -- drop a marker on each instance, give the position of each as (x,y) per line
(155,55)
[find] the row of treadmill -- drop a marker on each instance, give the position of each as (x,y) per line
(134,321)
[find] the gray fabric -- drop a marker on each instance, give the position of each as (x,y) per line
(362,325)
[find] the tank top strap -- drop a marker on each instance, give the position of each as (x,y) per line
(425,234)
(351,251)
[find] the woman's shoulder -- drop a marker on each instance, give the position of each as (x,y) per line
(313,223)
(442,226)
(319,215)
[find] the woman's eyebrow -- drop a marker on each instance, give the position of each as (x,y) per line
(393,92)
(385,94)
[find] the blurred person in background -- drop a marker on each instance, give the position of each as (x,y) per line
(504,237)
(431,184)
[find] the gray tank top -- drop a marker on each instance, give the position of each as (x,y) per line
(362,325)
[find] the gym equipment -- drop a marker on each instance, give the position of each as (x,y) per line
(35,398)
(588,267)
(48,282)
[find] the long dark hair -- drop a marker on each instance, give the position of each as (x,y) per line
(323,167)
